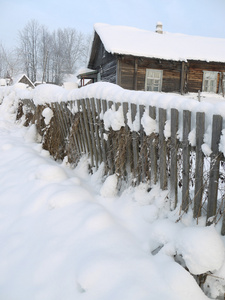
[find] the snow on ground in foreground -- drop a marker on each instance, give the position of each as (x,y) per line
(66,235)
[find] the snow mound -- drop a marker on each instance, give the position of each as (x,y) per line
(201,248)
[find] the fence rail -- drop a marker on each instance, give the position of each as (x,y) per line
(77,128)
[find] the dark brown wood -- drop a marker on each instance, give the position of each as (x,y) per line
(162,150)
(186,159)
(143,148)
(173,151)
(214,168)
(200,130)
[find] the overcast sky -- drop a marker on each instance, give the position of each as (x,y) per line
(195,17)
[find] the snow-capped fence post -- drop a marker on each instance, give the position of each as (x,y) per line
(143,150)
(128,143)
(162,150)
(214,168)
(96,130)
(186,159)
(92,135)
(101,131)
(135,142)
(173,153)
(200,130)
(83,132)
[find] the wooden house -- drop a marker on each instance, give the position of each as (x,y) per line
(156,61)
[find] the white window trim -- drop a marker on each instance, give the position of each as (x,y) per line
(208,89)
(147,76)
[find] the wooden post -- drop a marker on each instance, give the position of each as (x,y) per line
(162,150)
(101,130)
(82,128)
(135,142)
(92,133)
(214,168)
(143,147)
(129,146)
(173,163)
(97,129)
(200,130)
(153,149)
(186,159)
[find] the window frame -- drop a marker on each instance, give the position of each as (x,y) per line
(211,86)
(153,78)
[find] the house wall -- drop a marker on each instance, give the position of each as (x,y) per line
(103,62)
(171,73)
(195,74)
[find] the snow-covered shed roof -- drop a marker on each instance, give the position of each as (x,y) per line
(170,46)
(18,78)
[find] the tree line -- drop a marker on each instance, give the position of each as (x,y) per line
(43,55)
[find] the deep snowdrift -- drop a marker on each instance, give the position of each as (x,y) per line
(67,235)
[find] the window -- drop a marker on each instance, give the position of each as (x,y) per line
(210,82)
(153,80)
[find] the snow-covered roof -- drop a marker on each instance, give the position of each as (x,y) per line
(170,46)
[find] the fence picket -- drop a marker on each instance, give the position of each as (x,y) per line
(162,149)
(135,145)
(214,168)
(173,153)
(153,142)
(200,130)
(186,159)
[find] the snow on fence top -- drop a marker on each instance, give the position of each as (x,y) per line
(48,93)
(169,46)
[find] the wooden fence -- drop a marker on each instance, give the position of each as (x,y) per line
(195,181)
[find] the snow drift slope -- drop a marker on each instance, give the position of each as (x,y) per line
(61,239)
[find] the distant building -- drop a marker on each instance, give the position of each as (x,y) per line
(22,78)
(156,61)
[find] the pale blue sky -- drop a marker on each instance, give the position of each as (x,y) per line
(195,17)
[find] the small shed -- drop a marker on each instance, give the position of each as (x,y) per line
(23,78)
(157,60)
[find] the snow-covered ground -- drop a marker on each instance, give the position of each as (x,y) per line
(64,234)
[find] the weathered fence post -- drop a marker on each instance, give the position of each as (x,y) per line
(214,168)
(153,148)
(135,143)
(96,131)
(101,129)
(173,162)
(162,149)
(129,147)
(143,147)
(200,130)
(186,159)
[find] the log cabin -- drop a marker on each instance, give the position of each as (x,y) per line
(156,60)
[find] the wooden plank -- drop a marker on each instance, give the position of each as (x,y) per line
(129,163)
(108,142)
(162,150)
(214,168)
(173,162)
(143,147)
(153,149)
(200,130)
(92,133)
(96,126)
(82,128)
(87,129)
(135,143)
(135,72)
(186,159)
(101,131)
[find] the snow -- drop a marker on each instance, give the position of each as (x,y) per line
(170,46)
(66,234)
